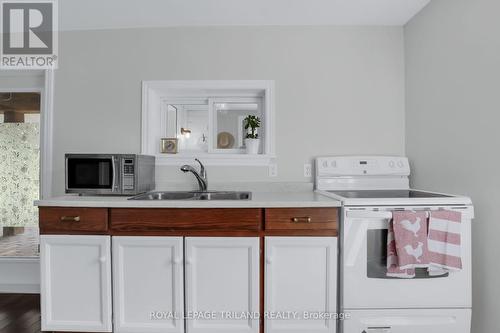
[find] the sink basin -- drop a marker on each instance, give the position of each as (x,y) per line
(212,195)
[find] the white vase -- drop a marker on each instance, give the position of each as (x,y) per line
(252,146)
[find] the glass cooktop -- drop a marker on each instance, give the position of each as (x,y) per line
(388,194)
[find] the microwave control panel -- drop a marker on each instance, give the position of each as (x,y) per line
(128,167)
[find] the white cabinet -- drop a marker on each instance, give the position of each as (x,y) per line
(148,291)
(222,284)
(75,283)
(300,284)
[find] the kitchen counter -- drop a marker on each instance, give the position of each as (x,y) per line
(259,200)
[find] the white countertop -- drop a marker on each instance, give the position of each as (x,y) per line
(259,200)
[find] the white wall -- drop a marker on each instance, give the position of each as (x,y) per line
(452,120)
(340,90)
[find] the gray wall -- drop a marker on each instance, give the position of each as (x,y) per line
(21,80)
(339,89)
(452,119)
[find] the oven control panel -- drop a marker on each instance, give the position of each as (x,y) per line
(362,165)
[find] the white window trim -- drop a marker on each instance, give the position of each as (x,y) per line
(153,92)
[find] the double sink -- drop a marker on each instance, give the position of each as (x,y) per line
(193,195)
(202,194)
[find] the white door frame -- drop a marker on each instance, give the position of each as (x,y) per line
(46,135)
(17,266)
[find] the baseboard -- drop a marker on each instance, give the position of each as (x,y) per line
(20,275)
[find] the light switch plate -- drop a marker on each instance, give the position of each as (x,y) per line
(273,170)
(307,170)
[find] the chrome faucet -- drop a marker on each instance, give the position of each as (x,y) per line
(201,177)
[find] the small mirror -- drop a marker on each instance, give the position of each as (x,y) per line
(189,124)
(228,123)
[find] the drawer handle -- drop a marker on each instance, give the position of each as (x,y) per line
(70,218)
(304,219)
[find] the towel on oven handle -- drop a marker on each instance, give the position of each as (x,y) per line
(407,243)
(444,241)
(414,242)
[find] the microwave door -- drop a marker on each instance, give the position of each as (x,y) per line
(98,174)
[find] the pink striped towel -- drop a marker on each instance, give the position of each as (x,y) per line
(413,243)
(444,241)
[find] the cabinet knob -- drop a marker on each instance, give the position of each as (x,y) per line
(177,261)
(102,259)
(189,261)
(269,260)
(303,219)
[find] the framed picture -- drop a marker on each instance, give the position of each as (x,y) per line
(169,145)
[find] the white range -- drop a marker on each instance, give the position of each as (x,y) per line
(370,189)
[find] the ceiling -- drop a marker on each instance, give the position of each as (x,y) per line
(114,14)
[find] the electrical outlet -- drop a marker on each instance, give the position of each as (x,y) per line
(307,170)
(273,170)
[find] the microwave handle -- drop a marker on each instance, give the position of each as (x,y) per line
(113,165)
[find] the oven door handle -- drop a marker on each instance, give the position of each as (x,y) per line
(369,215)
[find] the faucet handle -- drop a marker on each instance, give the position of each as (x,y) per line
(203,173)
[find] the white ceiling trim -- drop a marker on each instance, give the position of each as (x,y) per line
(116,14)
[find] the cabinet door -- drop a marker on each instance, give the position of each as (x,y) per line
(300,284)
(222,285)
(148,289)
(75,283)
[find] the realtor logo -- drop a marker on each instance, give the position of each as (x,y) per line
(29,34)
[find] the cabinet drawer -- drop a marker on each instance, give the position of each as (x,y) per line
(171,220)
(301,218)
(59,219)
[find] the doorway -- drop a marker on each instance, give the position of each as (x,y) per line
(19,173)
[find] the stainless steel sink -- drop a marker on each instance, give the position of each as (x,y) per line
(210,195)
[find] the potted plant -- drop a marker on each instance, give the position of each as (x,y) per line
(252,141)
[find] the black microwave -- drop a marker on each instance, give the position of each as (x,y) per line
(109,174)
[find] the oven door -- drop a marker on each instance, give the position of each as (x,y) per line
(92,174)
(364,280)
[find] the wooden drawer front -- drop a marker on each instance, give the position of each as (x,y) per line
(59,219)
(177,219)
(301,218)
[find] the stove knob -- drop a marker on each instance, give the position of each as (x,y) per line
(333,164)
(391,164)
(325,164)
(401,164)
